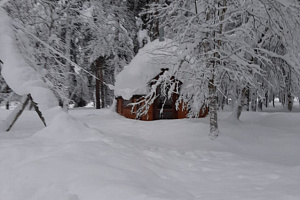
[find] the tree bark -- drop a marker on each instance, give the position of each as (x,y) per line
(254,100)
(101,85)
(290,98)
(213,114)
(260,104)
(7,105)
(290,102)
(97,89)
(240,103)
(213,96)
(267,99)
(247,98)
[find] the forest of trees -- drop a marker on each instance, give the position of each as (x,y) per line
(242,53)
(77,46)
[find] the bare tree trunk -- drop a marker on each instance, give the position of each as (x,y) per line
(7,102)
(101,85)
(213,96)
(254,100)
(7,105)
(223,102)
(223,98)
(161,31)
(97,89)
(290,101)
(267,99)
(240,103)
(233,97)
(213,113)
(247,98)
(65,105)
(290,98)
(260,104)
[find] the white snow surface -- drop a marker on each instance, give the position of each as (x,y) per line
(3,2)
(20,77)
(143,36)
(96,154)
(134,78)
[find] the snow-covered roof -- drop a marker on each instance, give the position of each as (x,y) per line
(149,61)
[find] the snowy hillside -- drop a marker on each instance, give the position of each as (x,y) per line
(94,155)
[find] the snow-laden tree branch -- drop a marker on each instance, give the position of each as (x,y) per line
(231,45)
(21,77)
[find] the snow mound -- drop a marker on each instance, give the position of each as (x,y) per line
(149,61)
(64,129)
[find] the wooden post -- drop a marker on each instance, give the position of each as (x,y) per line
(21,108)
(19,112)
(37,110)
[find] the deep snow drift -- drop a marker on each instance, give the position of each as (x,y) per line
(96,154)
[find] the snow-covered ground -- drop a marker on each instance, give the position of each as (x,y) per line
(99,155)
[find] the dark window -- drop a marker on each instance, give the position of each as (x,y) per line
(164,101)
(126,103)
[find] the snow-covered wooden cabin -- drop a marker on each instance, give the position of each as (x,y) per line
(134,82)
